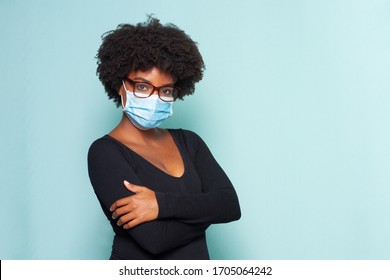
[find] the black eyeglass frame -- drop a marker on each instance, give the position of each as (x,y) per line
(174,92)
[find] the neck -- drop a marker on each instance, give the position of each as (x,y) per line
(127,130)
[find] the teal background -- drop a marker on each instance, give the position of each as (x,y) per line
(294,105)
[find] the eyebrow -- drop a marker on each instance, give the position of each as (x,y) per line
(146,81)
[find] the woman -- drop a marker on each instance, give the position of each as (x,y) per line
(160,189)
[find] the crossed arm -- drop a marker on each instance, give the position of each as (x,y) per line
(160,221)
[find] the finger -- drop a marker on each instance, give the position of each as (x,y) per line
(126,219)
(131,187)
(113,206)
(121,202)
(133,223)
(123,210)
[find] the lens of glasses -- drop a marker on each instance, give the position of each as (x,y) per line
(167,94)
(144,90)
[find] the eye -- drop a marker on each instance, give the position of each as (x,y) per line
(166,91)
(142,87)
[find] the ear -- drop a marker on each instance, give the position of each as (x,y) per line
(120,89)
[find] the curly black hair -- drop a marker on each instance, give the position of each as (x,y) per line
(144,46)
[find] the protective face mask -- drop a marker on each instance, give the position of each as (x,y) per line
(146,113)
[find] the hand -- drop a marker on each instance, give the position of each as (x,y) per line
(135,209)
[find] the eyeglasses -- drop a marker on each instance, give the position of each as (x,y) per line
(145,89)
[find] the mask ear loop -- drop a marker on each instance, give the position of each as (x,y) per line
(123,105)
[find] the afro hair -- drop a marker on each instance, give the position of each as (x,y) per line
(144,46)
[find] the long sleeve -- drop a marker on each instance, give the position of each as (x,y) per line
(108,165)
(218,203)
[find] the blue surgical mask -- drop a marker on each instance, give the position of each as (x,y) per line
(146,113)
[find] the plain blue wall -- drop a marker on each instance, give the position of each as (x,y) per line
(294,105)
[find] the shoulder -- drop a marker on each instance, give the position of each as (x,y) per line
(190,140)
(188,136)
(103,143)
(106,146)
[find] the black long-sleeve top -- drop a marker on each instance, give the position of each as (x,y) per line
(203,195)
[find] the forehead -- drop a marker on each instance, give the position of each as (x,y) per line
(153,75)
